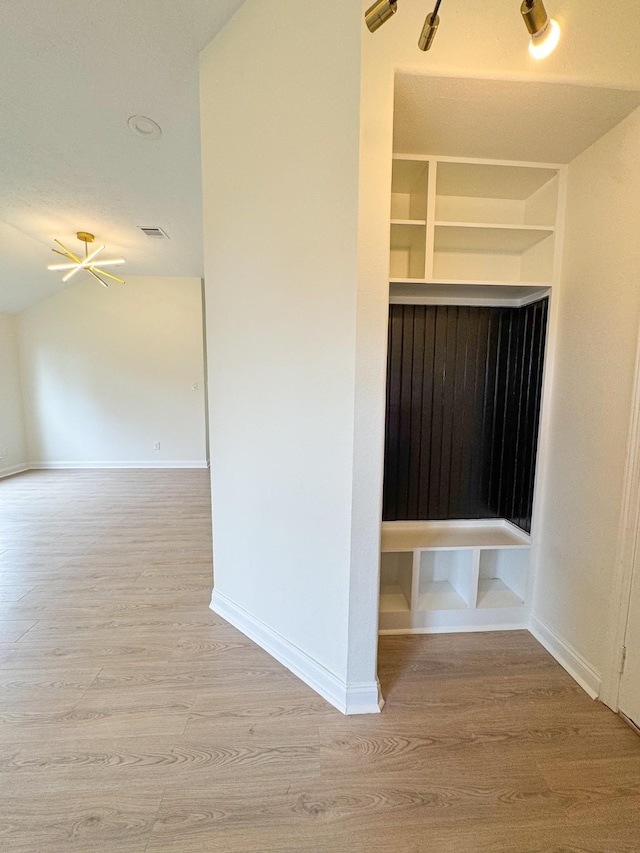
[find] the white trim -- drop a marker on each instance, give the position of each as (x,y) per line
(348,699)
(578,667)
(187,463)
(14,469)
(483,161)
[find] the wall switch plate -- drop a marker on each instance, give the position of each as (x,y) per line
(156,445)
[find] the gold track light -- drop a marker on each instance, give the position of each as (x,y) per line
(545,31)
(380,12)
(429,29)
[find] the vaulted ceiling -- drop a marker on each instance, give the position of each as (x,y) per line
(72,75)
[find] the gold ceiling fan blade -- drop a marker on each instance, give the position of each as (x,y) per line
(67,251)
(103,283)
(108,275)
(63,254)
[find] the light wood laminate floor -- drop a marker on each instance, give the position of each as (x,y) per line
(133,719)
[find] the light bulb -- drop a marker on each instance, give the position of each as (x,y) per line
(545,41)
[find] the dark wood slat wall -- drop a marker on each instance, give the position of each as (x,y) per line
(463,403)
(525,358)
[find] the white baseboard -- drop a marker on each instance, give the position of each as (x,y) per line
(347,698)
(14,469)
(189,463)
(569,658)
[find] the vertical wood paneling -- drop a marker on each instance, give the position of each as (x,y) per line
(463,406)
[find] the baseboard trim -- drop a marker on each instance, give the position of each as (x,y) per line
(46,466)
(569,658)
(14,469)
(348,699)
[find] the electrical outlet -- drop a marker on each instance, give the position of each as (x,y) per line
(194,386)
(156,445)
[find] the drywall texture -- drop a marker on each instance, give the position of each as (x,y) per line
(107,373)
(12,437)
(280,134)
(598,321)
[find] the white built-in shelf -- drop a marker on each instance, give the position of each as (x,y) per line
(400,536)
(473,222)
(462,293)
(465,232)
(481,237)
(418,223)
(438,576)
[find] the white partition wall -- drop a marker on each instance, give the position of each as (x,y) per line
(297,124)
(12,435)
(280,90)
(599,318)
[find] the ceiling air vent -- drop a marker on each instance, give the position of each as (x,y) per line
(154,231)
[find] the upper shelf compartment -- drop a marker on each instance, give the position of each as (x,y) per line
(473,222)
(409,184)
(496,194)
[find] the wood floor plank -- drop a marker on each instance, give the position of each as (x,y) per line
(134,720)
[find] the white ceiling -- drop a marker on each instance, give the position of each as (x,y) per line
(72,74)
(503,119)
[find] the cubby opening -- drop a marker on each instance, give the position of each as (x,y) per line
(409,194)
(409,184)
(446,580)
(464,386)
(503,577)
(408,250)
(396,573)
(496,194)
(492,254)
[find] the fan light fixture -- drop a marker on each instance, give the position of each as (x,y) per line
(545,31)
(87,263)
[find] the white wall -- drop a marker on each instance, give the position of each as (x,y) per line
(280,134)
(598,323)
(108,372)
(596,50)
(12,437)
(297,495)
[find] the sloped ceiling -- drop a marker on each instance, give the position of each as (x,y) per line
(504,119)
(72,74)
